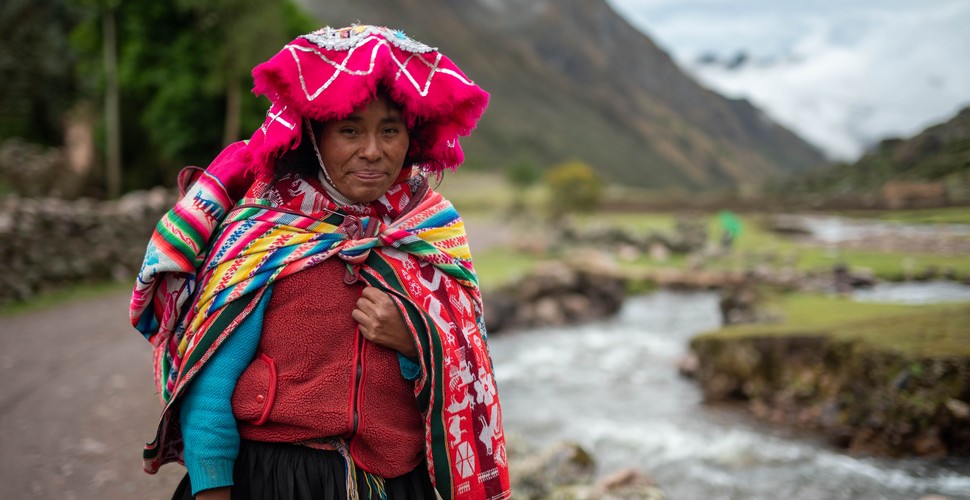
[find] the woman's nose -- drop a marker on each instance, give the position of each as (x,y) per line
(371,148)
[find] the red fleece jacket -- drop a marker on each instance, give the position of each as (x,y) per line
(316,376)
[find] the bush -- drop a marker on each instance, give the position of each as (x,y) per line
(573,187)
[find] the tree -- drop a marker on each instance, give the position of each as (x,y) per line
(112,98)
(522,176)
(182,67)
(573,187)
(36,68)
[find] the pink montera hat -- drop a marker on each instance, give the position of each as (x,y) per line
(329,73)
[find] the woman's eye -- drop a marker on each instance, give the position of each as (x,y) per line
(391,130)
(348,131)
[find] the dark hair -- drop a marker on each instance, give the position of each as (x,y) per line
(301,161)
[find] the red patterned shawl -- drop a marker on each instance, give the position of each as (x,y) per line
(419,257)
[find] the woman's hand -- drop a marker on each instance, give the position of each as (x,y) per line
(224,493)
(381,322)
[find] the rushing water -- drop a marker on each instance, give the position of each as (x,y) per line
(915,293)
(832,229)
(613,387)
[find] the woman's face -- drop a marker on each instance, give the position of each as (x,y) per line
(364,152)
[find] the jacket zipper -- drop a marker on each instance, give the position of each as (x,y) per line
(358,341)
(358,378)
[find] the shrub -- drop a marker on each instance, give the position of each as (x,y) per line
(573,187)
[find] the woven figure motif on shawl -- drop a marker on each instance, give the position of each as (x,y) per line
(329,73)
(212,257)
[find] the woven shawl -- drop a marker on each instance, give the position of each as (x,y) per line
(420,258)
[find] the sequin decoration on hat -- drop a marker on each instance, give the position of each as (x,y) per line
(348,38)
(327,74)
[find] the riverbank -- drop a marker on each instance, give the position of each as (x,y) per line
(612,386)
(877,379)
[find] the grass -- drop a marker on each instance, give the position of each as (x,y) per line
(947,215)
(500,265)
(758,245)
(58,297)
(478,193)
(921,331)
(893,266)
(755,246)
(639,222)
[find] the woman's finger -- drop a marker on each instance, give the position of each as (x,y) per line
(375,295)
(363,319)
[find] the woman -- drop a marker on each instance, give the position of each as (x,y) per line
(323,337)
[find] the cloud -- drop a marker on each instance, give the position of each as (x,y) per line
(841,74)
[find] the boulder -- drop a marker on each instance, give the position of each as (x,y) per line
(562,464)
(558,293)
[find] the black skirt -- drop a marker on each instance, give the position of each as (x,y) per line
(280,471)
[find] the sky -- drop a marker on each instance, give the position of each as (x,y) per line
(843,74)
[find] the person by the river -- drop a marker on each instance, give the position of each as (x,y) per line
(730,227)
(315,316)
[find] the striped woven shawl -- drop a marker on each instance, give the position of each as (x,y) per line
(206,268)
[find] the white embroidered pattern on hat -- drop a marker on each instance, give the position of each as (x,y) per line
(352,36)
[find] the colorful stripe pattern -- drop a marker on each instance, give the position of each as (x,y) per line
(166,281)
(421,257)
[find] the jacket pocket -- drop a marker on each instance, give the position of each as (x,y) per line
(255,391)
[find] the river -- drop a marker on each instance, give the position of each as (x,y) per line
(613,387)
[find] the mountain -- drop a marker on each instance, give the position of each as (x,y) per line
(940,153)
(571,79)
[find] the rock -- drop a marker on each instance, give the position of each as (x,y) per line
(516,447)
(31,170)
(558,293)
(628,253)
(562,464)
(628,484)
(788,225)
(868,441)
(846,280)
(565,470)
(547,311)
(659,252)
(739,304)
(930,272)
(577,307)
(584,492)
(959,409)
(928,444)
(687,365)
(690,234)
(500,310)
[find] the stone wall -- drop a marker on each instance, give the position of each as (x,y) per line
(51,243)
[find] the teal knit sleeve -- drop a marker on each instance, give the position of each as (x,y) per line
(410,369)
(208,425)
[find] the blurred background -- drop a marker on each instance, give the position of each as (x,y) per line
(725,245)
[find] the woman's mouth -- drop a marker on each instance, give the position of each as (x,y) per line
(369,175)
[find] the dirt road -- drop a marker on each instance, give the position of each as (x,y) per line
(77,404)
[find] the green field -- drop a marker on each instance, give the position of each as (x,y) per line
(755,247)
(919,331)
